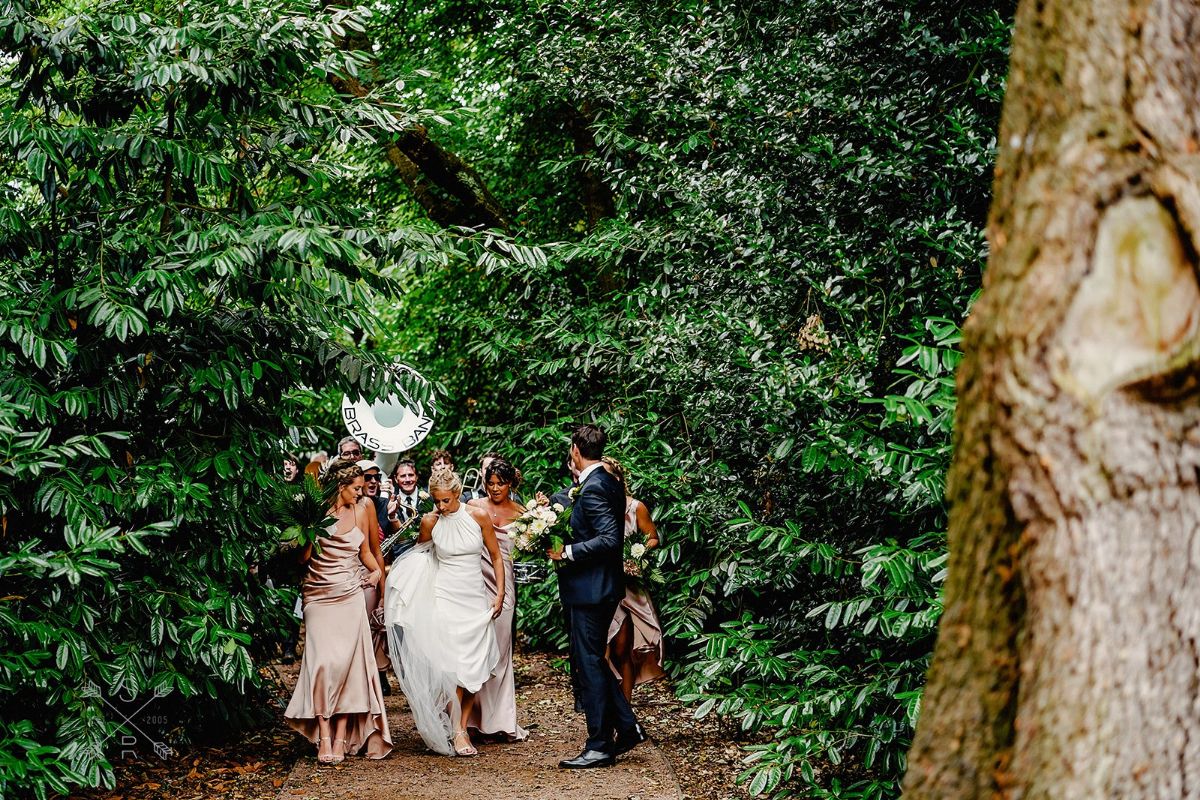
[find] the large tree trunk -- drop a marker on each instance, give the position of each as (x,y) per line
(1067,664)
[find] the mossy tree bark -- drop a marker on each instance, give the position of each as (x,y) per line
(1067,663)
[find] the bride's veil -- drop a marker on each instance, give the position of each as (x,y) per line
(415,647)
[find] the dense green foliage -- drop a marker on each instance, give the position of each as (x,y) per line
(174,265)
(742,238)
(765,317)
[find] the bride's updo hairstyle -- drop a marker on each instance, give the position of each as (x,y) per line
(340,472)
(446,479)
(506,472)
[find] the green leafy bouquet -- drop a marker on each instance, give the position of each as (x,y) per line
(640,570)
(302,512)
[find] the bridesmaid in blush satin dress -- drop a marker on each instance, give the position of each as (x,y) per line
(635,640)
(338,701)
(495,712)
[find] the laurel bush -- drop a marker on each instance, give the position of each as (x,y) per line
(175,274)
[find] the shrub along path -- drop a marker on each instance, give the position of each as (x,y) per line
(527,770)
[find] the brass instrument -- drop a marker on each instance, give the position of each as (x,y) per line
(473,484)
(387,544)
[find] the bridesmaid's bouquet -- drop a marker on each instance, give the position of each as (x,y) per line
(535,530)
(302,512)
(640,570)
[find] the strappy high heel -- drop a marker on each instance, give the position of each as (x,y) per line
(326,759)
(339,753)
(469,750)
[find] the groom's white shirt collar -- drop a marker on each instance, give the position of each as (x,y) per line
(583,476)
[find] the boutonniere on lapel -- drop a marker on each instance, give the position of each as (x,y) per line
(574,493)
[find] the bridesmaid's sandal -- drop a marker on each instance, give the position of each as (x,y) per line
(464,750)
(339,753)
(326,758)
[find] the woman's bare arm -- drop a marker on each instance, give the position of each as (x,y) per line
(646,525)
(493,547)
(427,523)
(368,560)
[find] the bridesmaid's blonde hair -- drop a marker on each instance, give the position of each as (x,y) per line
(445,478)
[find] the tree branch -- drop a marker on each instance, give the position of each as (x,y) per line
(446,186)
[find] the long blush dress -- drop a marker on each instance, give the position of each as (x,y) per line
(495,710)
(637,607)
(337,671)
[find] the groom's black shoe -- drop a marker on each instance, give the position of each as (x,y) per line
(629,740)
(587,760)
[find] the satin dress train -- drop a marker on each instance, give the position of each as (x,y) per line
(638,608)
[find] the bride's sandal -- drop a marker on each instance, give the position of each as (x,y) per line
(326,758)
(464,750)
(339,753)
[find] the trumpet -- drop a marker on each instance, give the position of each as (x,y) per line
(387,544)
(472,480)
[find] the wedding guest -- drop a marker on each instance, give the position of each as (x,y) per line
(479,492)
(373,595)
(316,464)
(408,496)
(349,448)
(635,640)
(440,620)
(385,508)
(440,460)
(563,498)
(280,572)
(495,712)
(407,500)
(338,702)
(291,468)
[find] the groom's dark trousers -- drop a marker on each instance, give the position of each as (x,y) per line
(591,585)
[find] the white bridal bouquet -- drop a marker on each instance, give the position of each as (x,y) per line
(535,528)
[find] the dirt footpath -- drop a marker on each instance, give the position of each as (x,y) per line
(527,770)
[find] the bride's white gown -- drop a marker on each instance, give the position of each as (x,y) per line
(439,625)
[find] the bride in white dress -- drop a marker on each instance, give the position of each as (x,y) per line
(439,619)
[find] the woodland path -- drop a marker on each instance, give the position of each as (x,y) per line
(527,770)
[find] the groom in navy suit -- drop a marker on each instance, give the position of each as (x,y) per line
(591,581)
